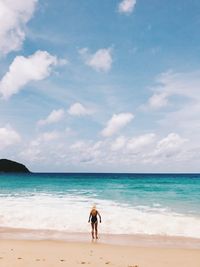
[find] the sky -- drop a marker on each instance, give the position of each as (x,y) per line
(100,86)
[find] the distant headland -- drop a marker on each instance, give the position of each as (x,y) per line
(12,167)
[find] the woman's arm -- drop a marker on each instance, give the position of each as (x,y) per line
(99,216)
(89,217)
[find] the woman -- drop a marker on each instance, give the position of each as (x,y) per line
(94,221)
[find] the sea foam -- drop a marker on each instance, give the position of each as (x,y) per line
(69,213)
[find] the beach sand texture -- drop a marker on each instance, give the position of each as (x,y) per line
(24,253)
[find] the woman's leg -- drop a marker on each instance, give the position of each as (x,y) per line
(96,230)
(92,224)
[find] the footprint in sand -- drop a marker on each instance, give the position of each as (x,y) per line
(62,260)
(91,252)
(19,258)
(108,262)
(83,262)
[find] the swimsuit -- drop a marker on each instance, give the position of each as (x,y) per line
(94,219)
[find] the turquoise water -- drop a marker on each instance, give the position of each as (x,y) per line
(140,203)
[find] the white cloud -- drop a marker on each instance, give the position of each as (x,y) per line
(62,62)
(185,120)
(78,145)
(14,16)
(100,61)
(116,123)
(180,92)
(85,152)
(172,147)
(40,148)
(140,142)
(158,100)
(135,144)
(169,84)
(118,143)
(54,116)
(126,6)
(78,109)
(44,137)
(49,136)
(32,152)
(8,137)
(24,70)
(170,144)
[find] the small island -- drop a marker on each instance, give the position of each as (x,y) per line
(10,166)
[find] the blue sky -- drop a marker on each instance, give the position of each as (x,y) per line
(110,86)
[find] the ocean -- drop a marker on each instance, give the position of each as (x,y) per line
(150,204)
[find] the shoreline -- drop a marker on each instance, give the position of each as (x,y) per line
(137,240)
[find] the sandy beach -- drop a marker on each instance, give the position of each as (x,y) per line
(28,253)
(44,221)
